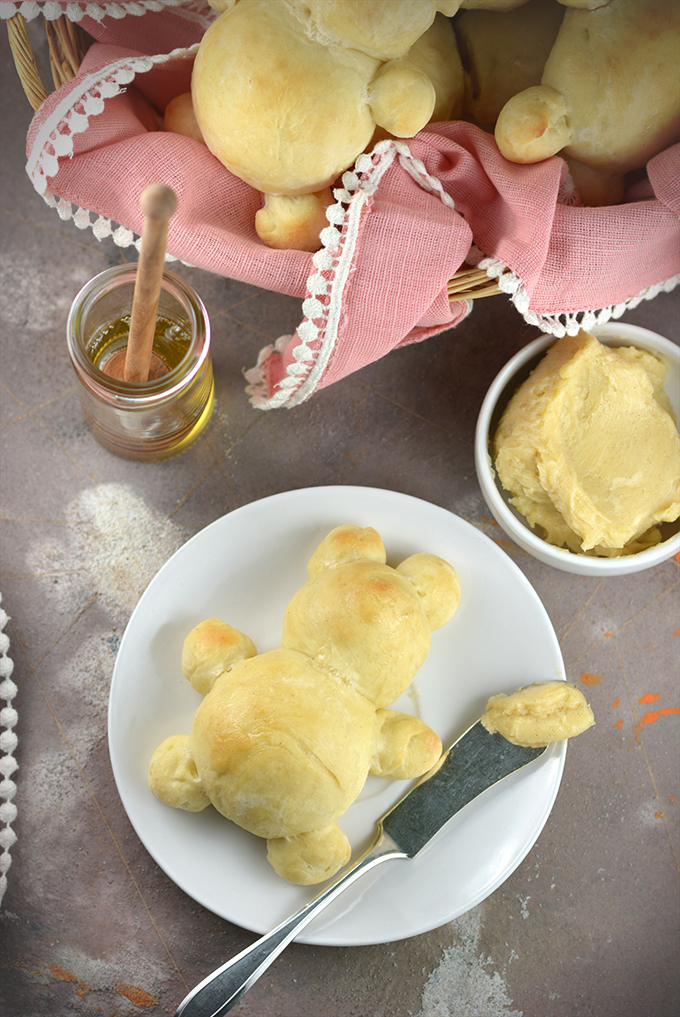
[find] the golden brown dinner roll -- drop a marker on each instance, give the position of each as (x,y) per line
(284,741)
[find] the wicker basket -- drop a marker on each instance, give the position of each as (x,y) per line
(68,44)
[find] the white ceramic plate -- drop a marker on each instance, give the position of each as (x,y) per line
(244,568)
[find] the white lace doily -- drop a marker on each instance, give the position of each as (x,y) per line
(8,744)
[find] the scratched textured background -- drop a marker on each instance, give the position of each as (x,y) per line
(588,923)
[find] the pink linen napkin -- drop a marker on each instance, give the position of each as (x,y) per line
(407,216)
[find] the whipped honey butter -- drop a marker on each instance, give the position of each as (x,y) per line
(589,448)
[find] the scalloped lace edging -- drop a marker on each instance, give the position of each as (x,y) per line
(51,9)
(102,227)
(8,745)
(54,141)
(71,116)
(322,308)
(567,322)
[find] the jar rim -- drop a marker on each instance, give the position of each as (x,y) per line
(158,388)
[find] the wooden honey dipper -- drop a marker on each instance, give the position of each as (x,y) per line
(138,362)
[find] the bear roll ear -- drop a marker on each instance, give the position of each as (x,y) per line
(210,649)
(173,776)
(345,544)
(436,583)
(401,98)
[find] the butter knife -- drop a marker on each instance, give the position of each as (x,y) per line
(474,763)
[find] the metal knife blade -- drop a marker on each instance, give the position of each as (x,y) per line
(474,764)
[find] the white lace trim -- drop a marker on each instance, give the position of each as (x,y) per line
(102,227)
(323,306)
(51,9)
(568,322)
(8,745)
(71,116)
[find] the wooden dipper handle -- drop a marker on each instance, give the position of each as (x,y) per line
(158,203)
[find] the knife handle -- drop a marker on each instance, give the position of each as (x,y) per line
(222,989)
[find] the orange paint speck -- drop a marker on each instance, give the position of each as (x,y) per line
(61,974)
(136,995)
(607,635)
(677,556)
(650,717)
(615,703)
(619,723)
(677,632)
(649,697)
(591,679)
(665,711)
(671,798)
(659,815)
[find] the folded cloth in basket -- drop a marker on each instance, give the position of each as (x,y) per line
(407,216)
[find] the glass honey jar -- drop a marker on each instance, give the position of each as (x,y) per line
(154,419)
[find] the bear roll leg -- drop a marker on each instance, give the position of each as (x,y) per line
(533,125)
(405,747)
(293,222)
(211,648)
(595,187)
(309,857)
(173,776)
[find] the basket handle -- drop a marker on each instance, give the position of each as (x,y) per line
(27,69)
(67,46)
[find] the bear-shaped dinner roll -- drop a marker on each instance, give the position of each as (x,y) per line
(609,97)
(287,94)
(284,740)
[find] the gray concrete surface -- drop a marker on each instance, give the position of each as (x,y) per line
(588,922)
